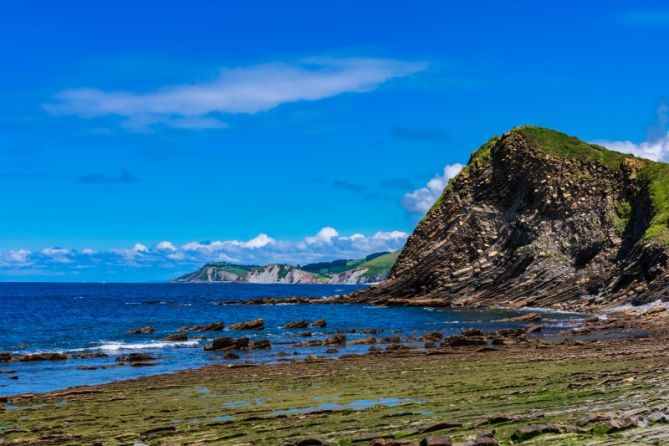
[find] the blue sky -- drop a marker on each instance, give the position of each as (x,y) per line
(142,138)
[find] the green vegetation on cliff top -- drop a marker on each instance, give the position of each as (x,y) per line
(652,175)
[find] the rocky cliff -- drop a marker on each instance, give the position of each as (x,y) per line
(538,218)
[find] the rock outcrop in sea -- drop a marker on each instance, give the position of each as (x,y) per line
(539,218)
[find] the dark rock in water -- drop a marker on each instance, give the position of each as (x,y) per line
(472,332)
(297,324)
(14,377)
(538,218)
(534,329)
(305,334)
(390,340)
(262,344)
(433,336)
(374,349)
(231,355)
(90,355)
(363,341)
(436,441)
(176,337)
(338,339)
(86,367)
(320,323)
(331,351)
(534,430)
(429,344)
(144,330)
(258,324)
(142,364)
(4,357)
(43,357)
(136,357)
(214,326)
(372,331)
(228,343)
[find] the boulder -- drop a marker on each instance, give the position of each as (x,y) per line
(297,324)
(257,324)
(262,344)
(363,341)
(338,339)
(43,357)
(441,440)
(320,323)
(144,330)
(176,337)
(534,430)
(4,357)
(136,357)
(214,326)
(463,341)
(222,343)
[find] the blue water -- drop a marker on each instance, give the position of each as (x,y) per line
(81,318)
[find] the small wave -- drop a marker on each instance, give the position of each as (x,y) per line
(547,311)
(117,346)
(132,303)
(428,308)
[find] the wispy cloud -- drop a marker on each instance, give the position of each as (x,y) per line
(656,146)
(99,178)
(415,134)
(246,89)
(421,200)
(326,244)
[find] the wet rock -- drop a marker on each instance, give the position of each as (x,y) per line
(144,330)
(90,355)
(486,438)
(297,324)
(4,357)
(433,336)
(463,341)
(374,349)
(534,430)
(439,425)
(534,329)
(527,317)
(390,340)
(338,339)
(262,344)
(43,357)
(430,345)
(320,323)
(371,331)
(363,341)
(136,357)
(310,441)
(257,324)
(312,343)
(331,351)
(472,332)
(222,343)
(214,326)
(441,440)
(231,355)
(176,337)
(86,367)
(305,334)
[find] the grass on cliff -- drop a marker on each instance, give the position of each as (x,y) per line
(381,265)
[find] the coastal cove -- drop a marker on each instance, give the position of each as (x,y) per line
(93,320)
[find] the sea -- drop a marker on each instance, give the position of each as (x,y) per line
(76,318)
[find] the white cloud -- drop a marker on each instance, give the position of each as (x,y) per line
(325,235)
(257,242)
(656,149)
(165,246)
(247,89)
(327,244)
(421,200)
(656,146)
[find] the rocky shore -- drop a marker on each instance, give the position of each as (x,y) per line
(475,388)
